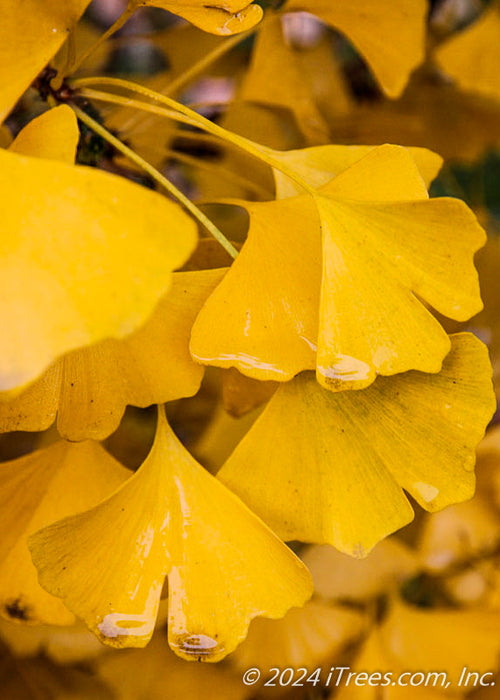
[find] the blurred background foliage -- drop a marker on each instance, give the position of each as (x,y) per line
(426,598)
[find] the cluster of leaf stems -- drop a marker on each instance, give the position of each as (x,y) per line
(77,93)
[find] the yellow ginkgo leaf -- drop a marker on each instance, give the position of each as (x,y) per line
(172,518)
(472,57)
(357,301)
(222,17)
(84,255)
(156,673)
(30,34)
(366,258)
(274,79)
(319,164)
(329,467)
(337,577)
(391,37)
(305,637)
(36,490)
(263,317)
(54,135)
(90,387)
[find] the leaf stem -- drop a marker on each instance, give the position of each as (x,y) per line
(136,104)
(262,153)
(162,112)
(158,177)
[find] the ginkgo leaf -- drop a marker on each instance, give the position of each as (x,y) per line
(30,34)
(391,37)
(90,387)
(274,79)
(371,318)
(172,518)
(329,467)
(356,301)
(53,135)
(305,637)
(222,17)
(472,57)
(85,255)
(319,164)
(36,490)
(263,317)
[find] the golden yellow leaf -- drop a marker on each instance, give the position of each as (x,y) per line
(155,673)
(330,468)
(371,318)
(53,135)
(389,36)
(30,34)
(222,17)
(305,637)
(90,388)
(362,290)
(263,317)
(84,255)
(338,577)
(472,57)
(172,518)
(319,164)
(36,490)
(274,79)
